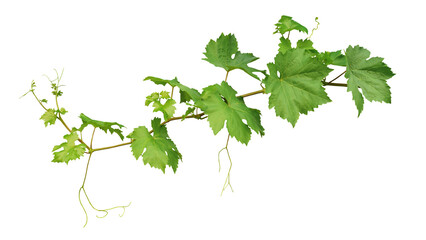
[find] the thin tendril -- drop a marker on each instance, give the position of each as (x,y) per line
(316,28)
(218,157)
(228,178)
(85,213)
(105,211)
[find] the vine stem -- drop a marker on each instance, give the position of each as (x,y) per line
(252,93)
(59,117)
(337,84)
(171,94)
(200,115)
(334,79)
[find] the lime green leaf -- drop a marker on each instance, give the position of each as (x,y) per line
(62,111)
(221,104)
(368,74)
(155,96)
(49,117)
(287,24)
(70,151)
(157,150)
(333,58)
(164,95)
(224,53)
(295,84)
(105,126)
(168,108)
(186,93)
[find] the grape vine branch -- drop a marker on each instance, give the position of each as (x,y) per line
(295,83)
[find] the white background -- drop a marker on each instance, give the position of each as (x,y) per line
(333,176)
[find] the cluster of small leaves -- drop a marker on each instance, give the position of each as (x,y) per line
(167,108)
(294,81)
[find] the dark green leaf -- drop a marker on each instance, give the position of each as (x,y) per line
(368,74)
(224,53)
(295,84)
(287,24)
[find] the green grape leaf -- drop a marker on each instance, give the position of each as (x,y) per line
(70,151)
(284,45)
(155,96)
(287,24)
(188,111)
(158,150)
(158,81)
(165,95)
(186,93)
(168,108)
(184,96)
(49,117)
(62,111)
(221,104)
(368,74)
(224,53)
(105,126)
(332,58)
(295,84)
(308,46)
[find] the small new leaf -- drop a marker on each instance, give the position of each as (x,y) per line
(168,108)
(70,151)
(221,105)
(332,58)
(284,45)
(287,24)
(224,53)
(368,74)
(158,150)
(105,126)
(308,46)
(295,84)
(49,117)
